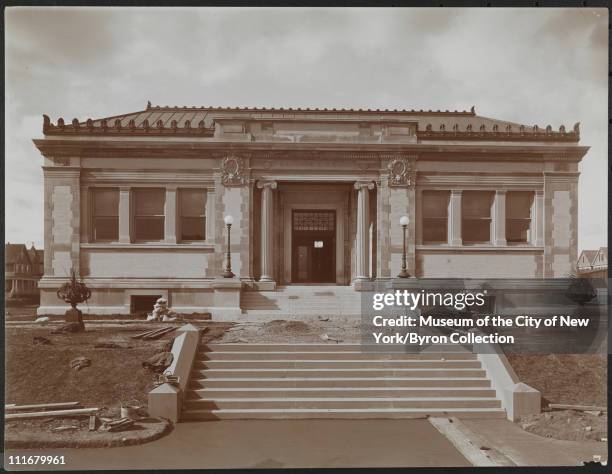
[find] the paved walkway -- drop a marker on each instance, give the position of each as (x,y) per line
(276,444)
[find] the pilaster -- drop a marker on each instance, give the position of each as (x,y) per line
(454,218)
(499,218)
(171,214)
(124,214)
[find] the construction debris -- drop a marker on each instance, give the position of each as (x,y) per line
(158,362)
(42,406)
(109,345)
(161,312)
(41,340)
(93,421)
(68,327)
(155,333)
(118,425)
(42,319)
(558,406)
(65,428)
(159,334)
(57,413)
(80,363)
(326,337)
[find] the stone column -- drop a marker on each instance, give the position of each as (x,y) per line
(499,218)
(124,215)
(170,211)
(362,245)
(267,230)
(537,226)
(454,218)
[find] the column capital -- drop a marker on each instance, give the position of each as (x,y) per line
(266,184)
(539,192)
(456,192)
(501,191)
(359,185)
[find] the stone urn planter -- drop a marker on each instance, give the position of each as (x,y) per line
(74,292)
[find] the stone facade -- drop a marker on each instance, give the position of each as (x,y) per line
(272,169)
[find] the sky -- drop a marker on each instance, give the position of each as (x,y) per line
(532,66)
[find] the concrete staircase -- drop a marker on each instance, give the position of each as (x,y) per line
(302,300)
(289,381)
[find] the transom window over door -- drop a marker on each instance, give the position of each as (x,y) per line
(192,207)
(105,214)
(149,218)
(476,216)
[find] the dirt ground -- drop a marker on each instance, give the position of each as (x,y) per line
(570,425)
(310,329)
(41,373)
(576,379)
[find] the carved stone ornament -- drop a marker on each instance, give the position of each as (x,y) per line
(233,171)
(401,172)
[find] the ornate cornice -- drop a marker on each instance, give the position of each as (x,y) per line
(520,133)
(115,128)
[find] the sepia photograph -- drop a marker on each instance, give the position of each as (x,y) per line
(309,237)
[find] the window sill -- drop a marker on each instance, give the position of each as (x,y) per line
(481,247)
(148,246)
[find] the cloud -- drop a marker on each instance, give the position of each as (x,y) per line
(533,66)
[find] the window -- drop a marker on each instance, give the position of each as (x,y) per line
(476,216)
(149,214)
(518,216)
(105,220)
(192,212)
(435,216)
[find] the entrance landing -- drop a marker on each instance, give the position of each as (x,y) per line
(299,300)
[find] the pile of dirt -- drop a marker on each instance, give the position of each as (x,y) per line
(282,327)
(567,425)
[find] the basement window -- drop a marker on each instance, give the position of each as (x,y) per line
(143,303)
(105,218)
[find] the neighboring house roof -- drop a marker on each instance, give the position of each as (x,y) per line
(589,255)
(16,253)
(432,124)
(604,252)
(36,256)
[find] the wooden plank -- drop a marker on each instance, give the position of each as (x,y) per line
(42,406)
(559,406)
(150,331)
(43,414)
(159,334)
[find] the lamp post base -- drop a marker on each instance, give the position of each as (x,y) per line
(228,274)
(403,274)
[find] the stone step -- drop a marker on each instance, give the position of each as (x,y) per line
(247,383)
(332,355)
(334,392)
(342,402)
(327,347)
(335,373)
(336,364)
(373,413)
